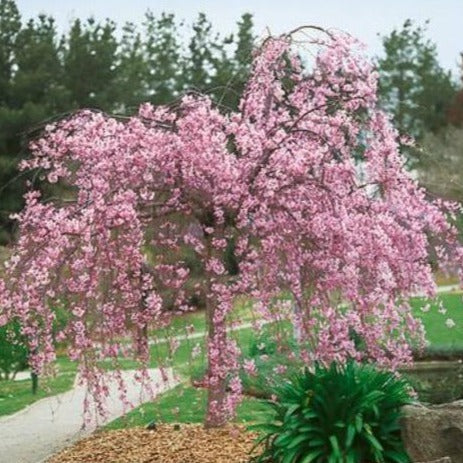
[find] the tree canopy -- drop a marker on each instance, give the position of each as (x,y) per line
(303,185)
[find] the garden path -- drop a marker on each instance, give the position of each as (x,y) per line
(35,433)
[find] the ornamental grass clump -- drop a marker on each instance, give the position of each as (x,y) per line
(339,414)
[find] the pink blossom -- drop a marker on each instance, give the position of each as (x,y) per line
(196,351)
(280,369)
(249,367)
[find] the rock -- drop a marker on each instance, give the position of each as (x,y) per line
(151,426)
(431,433)
(441,460)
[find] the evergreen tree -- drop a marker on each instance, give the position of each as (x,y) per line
(244,45)
(163,58)
(39,75)
(10,194)
(242,58)
(132,69)
(198,61)
(10,24)
(413,85)
(90,63)
(219,66)
(33,93)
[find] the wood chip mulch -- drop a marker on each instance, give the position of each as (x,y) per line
(184,443)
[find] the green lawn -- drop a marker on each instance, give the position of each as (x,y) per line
(15,395)
(179,324)
(439,335)
(185,404)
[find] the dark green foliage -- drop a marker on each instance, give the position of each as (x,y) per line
(131,76)
(90,66)
(10,24)
(163,57)
(200,57)
(220,66)
(230,259)
(10,194)
(13,352)
(38,78)
(32,91)
(231,75)
(413,85)
(340,414)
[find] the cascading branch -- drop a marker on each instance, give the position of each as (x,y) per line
(303,190)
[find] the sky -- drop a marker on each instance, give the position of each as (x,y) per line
(361,18)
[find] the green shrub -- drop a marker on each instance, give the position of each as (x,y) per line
(13,351)
(340,414)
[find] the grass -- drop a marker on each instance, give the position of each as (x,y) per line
(185,404)
(179,323)
(439,335)
(15,395)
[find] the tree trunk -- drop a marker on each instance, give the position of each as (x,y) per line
(35,382)
(297,324)
(216,380)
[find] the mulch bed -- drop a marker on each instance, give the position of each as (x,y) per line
(184,443)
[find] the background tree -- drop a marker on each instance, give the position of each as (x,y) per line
(163,55)
(90,65)
(10,192)
(413,85)
(440,154)
(219,65)
(199,60)
(455,113)
(440,168)
(10,24)
(13,351)
(441,163)
(38,78)
(132,69)
(231,73)
(35,93)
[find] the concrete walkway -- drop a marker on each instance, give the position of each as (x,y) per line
(51,424)
(449,288)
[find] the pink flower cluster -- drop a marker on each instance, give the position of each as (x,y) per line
(305,183)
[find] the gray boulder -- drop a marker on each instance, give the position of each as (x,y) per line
(441,460)
(433,432)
